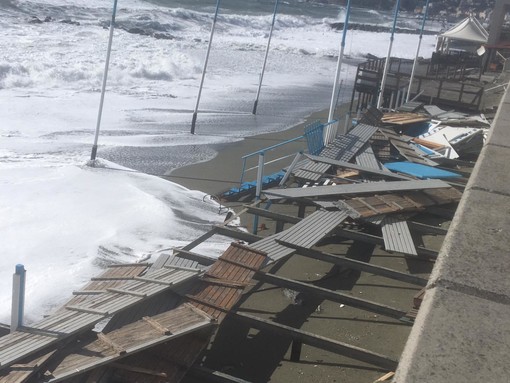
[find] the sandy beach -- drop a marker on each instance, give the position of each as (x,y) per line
(224,171)
(259,356)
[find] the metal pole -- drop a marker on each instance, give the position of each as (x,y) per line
(339,63)
(195,112)
(417,50)
(18,297)
(387,63)
(258,190)
(265,58)
(105,76)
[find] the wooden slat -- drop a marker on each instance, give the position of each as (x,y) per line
(129,339)
(363,188)
(157,326)
(342,148)
(335,346)
(359,265)
(104,338)
(16,346)
(331,295)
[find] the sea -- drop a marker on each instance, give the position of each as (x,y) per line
(52,65)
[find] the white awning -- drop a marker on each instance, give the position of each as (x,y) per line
(469,29)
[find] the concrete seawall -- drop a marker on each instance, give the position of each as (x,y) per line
(462,332)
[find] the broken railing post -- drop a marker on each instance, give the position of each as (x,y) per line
(18,297)
(260,174)
(295,352)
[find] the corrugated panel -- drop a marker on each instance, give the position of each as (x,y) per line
(305,233)
(345,147)
(437,112)
(273,249)
(313,228)
(130,339)
(410,106)
(362,169)
(366,158)
(397,236)
(75,318)
(360,188)
(342,148)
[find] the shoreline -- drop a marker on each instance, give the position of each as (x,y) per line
(224,170)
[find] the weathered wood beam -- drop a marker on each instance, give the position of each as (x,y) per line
(237,234)
(376,240)
(348,165)
(320,341)
(202,259)
(200,239)
(139,370)
(441,211)
(331,295)
(423,228)
(272,215)
(357,265)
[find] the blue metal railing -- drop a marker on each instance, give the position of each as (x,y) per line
(314,134)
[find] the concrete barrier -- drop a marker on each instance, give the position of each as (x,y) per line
(462,332)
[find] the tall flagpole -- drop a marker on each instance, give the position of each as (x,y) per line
(387,63)
(195,112)
(105,77)
(417,51)
(265,58)
(339,63)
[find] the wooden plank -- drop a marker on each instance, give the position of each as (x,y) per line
(313,228)
(22,372)
(209,303)
(334,296)
(104,338)
(362,169)
(80,317)
(359,265)
(324,343)
(364,188)
(129,265)
(127,292)
(202,259)
(418,226)
(240,264)
(342,148)
(129,339)
(139,370)
(238,234)
(385,377)
(157,326)
(88,292)
(272,215)
(374,239)
(201,239)
(225,282)
(87,310)
(367,159)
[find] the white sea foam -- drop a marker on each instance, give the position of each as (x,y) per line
(64,220)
